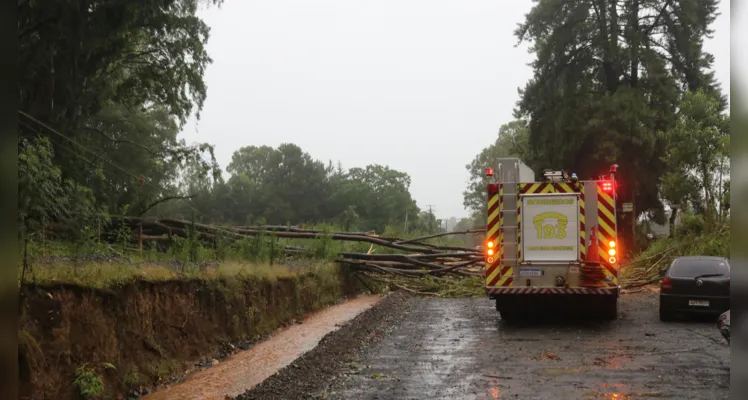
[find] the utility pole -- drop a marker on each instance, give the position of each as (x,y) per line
(431,218)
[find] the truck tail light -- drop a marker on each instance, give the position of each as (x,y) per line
(666,284)
(612,244)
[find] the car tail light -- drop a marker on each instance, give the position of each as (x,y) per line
(666,284)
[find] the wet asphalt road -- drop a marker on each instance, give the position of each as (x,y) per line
(460,349)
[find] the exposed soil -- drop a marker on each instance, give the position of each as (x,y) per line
(415,348)
(246,369)
(311,375)
(143,335)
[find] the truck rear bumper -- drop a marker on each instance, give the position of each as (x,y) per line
(496,291)
(571,300)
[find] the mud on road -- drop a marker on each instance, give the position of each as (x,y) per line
(460,349)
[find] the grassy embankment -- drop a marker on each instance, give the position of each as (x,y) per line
(692,237)
(99,320)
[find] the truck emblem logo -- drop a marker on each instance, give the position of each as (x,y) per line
(549,231)
(699,282)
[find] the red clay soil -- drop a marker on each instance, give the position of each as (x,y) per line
(312,374)
(246,369)
(153,332)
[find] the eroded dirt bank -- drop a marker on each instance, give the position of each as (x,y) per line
(459,348)
(246,369)
(119,342)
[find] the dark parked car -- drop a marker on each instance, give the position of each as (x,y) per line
(695,285)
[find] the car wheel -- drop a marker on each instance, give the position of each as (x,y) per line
(665,314)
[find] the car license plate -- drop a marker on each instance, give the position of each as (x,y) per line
(530,272)
(698,303)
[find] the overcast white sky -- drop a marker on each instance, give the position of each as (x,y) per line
(419,85)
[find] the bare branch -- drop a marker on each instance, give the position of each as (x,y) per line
(168,198)
(657,20)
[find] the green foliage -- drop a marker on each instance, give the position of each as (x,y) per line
(693,237)
(697,155)
(132,377)
(512,141)
(107,86)
(88,382)
(284,185)
(606,79)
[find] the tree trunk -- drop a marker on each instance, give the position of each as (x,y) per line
(634,45)
(673,216)
(706,183)
(610,59)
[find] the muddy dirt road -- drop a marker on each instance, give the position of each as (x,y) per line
(246,369)
(459,349)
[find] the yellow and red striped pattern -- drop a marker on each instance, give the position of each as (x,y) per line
(505,274)
(492,234)
(606,232)
(555,187)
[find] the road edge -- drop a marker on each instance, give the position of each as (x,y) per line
(315,371)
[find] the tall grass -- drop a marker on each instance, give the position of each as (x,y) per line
(95,263)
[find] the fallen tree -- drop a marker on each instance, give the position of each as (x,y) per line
(411,258)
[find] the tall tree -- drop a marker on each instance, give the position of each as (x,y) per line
(607,78)
(697,155)
(512,141)
(110,83)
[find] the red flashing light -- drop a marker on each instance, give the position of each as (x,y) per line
(607,186)
(613,168)
(489,171)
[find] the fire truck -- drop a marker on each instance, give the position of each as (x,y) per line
(552,242)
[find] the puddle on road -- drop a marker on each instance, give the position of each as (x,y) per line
(246,369)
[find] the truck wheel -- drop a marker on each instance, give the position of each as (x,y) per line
(610,310)
(509,316)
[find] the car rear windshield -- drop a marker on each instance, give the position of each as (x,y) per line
(688,268)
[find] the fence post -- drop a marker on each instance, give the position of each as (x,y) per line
(44,237)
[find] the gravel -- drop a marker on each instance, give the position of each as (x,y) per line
(311,375)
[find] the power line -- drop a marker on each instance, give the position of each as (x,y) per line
(99,156)
(133,175)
